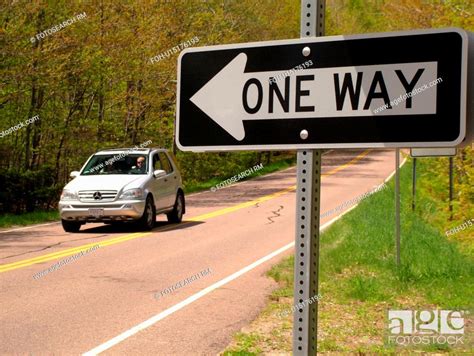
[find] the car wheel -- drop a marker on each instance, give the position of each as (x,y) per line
(147,221)
(176,214)
(71,226)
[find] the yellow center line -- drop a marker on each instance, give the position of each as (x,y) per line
(74,250)
(274,195)
(242,205)
(351,162)
(67,252)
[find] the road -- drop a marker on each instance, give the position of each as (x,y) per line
(104,301)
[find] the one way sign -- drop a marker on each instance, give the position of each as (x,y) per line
(405,89)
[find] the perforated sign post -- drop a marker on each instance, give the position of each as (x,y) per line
(308,194)
(400,89)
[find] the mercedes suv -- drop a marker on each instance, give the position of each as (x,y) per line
(123,185)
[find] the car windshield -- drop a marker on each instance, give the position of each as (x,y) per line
(119,163)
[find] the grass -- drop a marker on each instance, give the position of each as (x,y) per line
(245,341)
(360,282)
(36,217)
(269,168)
(432,199)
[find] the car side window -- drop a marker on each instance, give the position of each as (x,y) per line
(156,162)
(166,162)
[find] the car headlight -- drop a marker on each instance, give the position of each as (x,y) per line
(68,195)
(136,193)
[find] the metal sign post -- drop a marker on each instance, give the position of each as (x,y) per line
(305,320)
(413,187)
(451,181)
(397,204)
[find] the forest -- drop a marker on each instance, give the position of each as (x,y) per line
(85,71)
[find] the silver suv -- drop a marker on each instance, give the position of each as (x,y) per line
(123,185)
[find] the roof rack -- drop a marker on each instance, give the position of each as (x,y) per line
(145,149)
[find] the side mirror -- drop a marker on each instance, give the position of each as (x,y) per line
(159,173)
(74,174)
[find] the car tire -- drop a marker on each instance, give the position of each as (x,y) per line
(176,215)
(71,226)
(148,219)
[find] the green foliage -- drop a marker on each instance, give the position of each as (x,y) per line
(283,274)
(360,16)
(35,217)
(364,288)
(28,190)
(363,256)
(196,180)
(359,280)
(432,198)
(245,346)
(93,85)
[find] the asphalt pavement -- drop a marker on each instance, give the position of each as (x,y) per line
(144,292)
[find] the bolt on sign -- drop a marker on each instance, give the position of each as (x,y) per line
(396,89)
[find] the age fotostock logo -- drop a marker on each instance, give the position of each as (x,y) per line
(411,327)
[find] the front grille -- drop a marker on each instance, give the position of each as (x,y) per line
(89,206)
(88,195)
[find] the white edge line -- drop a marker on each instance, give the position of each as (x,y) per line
(330,222)
(184,303)
(393,173)
(153,320)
